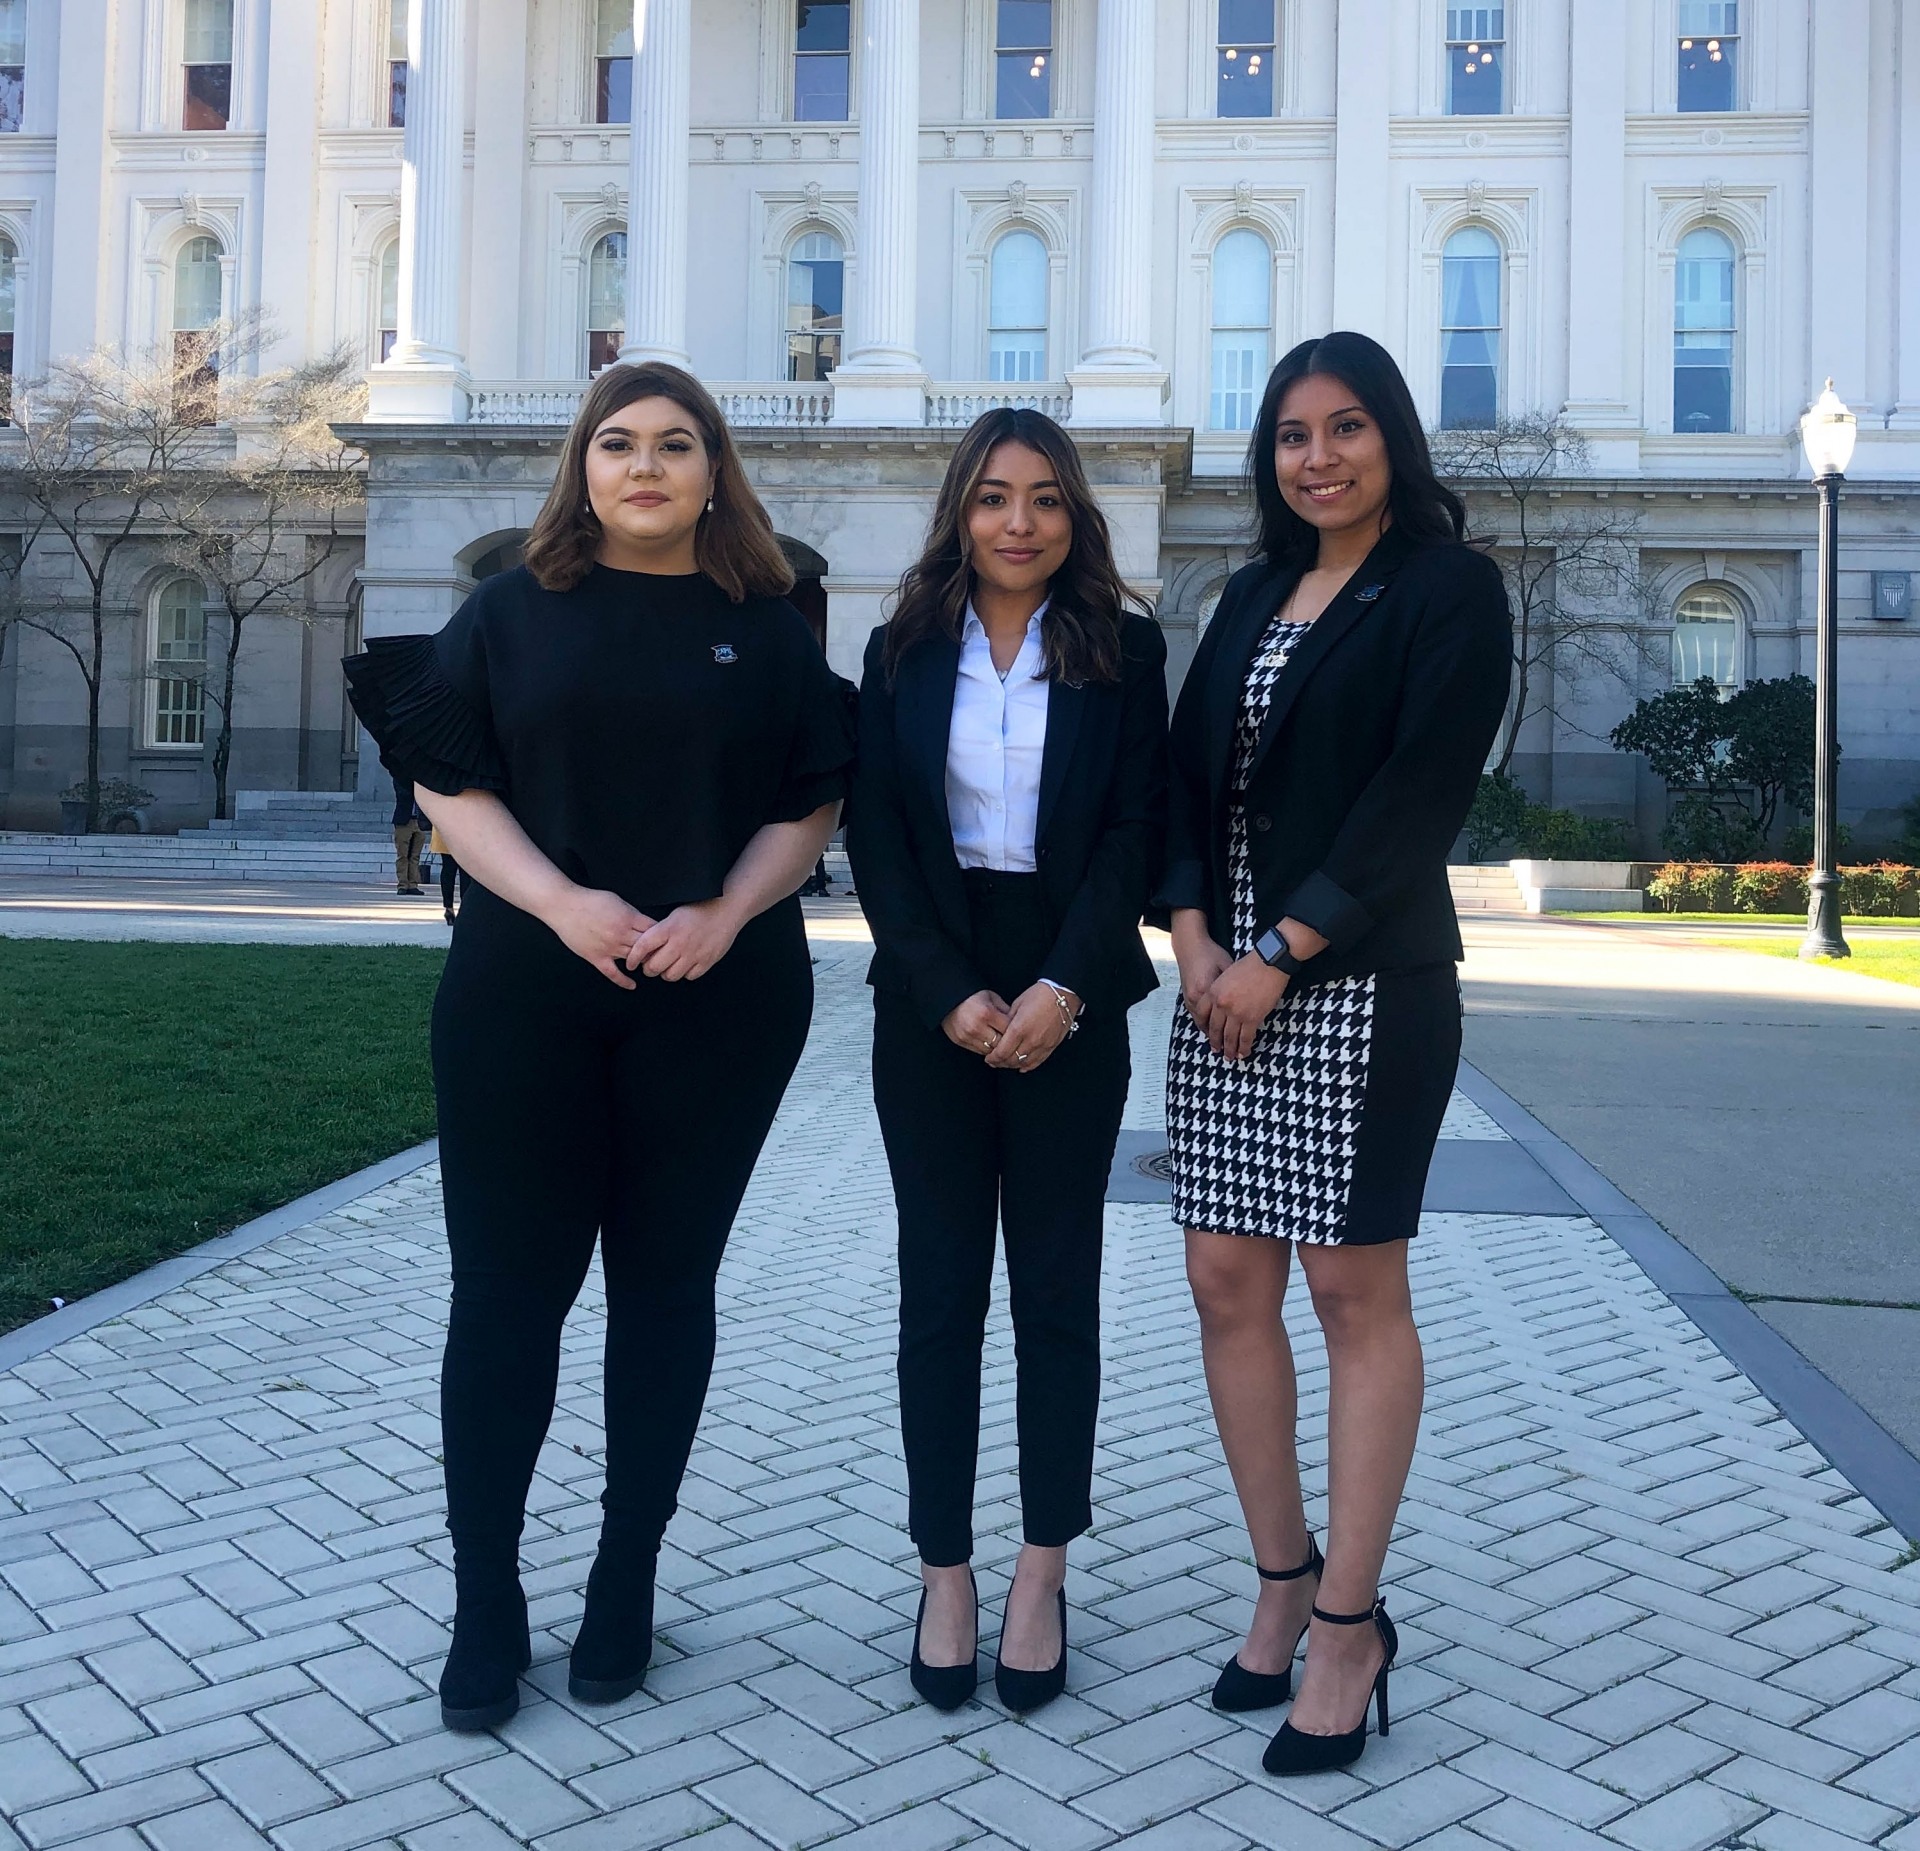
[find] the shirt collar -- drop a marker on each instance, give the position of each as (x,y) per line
(972,627)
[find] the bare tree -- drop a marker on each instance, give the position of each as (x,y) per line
(1572,569)
(256,531)
(235,477)
(99,435)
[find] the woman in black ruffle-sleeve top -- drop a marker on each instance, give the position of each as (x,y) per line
(636,749)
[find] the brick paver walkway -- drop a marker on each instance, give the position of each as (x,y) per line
(1636,1608)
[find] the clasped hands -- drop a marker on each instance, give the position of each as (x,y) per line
(618,939)
(1018,1036)
(1228,997)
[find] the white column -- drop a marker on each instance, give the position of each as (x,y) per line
(75,228)
(1119,379)
(883,381)
(1363,209)
(1837,260)
(288,194)
(657,182)
(500,179)
(1597,260)
(424,382)
(1907,302)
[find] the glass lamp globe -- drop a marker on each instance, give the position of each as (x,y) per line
(1828,432)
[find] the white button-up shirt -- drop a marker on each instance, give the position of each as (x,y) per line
(994,749)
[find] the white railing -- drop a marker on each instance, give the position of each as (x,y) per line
(747,405)
(764,405)
(949,406)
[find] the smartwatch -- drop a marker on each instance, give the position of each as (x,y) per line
(1271,949)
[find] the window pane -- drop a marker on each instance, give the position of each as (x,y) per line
(180,629)
(9,259)
(1025,25)
(607,283)
(1706,637)
(613,29)
(1709,18)
(13,98)
(1469,288)
(1242,281)
(816,274)
(1708,67)
(396,96)
(1245,83)
(13,32)
(196,286)
(1473,80)
(1017,356)
(209,96)
(1702,393)
(614,90)
(1018,287)
(1023,86)
(824,25)
(390,287)
(821,87)
(1239,376)
(1246,22)
(1469,397)
(397,32)
(209,34)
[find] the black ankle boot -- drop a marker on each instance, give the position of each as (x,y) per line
(614,1645)
(480,1682)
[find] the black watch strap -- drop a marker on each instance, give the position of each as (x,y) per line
(1271,949)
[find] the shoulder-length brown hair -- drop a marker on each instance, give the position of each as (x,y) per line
(1087,597)
(734,544)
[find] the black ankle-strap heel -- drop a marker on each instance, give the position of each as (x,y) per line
(1239,1689)
(1292,1752)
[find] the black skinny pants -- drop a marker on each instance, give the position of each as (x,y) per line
(571,1109)
(967,1144)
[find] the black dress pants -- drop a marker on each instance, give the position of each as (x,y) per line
(571,1109)
(967,1143)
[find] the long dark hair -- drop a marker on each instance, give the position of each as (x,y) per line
(734,544)
(1421,505)
(1087,597)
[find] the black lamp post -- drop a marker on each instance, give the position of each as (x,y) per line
(1828,432)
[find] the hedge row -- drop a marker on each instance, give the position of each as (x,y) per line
(1887,889)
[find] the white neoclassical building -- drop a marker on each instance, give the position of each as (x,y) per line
(862,221)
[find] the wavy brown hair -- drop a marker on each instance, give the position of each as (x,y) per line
(1087,597)
(734,544)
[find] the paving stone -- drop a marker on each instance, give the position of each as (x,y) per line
(33,1772)
(267,1786)
(519,1796)
(214,1826)
(1026,1818)
(128,1804)
(1817,1801)
(1568,1796)
(1690,1818)
(771,1808)
(887,1791)
(1412,1809)
(1155,1794)
(84,1721)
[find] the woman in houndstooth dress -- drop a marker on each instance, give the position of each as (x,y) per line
(1325,749)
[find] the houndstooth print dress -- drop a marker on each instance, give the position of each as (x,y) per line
(1266,1146)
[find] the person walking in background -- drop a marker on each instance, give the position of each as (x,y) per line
(637,748)
(1325,749)
(1005,824)
(451,875)
(409,838)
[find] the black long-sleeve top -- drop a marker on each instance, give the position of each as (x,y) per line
(1379,729)
(640,727)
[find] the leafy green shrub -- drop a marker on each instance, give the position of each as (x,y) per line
(1504,818)
(1885,890)
(1910,827)
(1770,887)
(115,794)
(1692,887)
(1799,842)
(1703,827)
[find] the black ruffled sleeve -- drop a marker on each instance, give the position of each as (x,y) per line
(819,767)
(424,701)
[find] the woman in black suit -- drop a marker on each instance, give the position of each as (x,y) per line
(1009,804)
(1325,749)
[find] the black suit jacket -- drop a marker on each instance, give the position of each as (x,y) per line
(1101,825)
(1379,729)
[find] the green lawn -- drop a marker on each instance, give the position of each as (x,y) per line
(154,1095)
(1799,918)
(1896,959)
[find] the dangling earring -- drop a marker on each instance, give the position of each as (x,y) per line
(709,504)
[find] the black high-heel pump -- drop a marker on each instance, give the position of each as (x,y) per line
(1021,1690)
(1240,1689)
(946,1687)
(1292,1752)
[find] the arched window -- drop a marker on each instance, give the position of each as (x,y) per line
(1706,638)
(816,284)
(388,332)
(1470,329)
(606,301)
(1703,333)
(9,266)
(1017,308)
(177,703)
(1242,328)
(196,310)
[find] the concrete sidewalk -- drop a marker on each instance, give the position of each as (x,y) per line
(1637,1609)
(1765,1112)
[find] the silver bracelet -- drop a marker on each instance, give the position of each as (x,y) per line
(1060,995)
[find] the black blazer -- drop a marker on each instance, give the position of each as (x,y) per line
(1379,730)
(1102,821)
